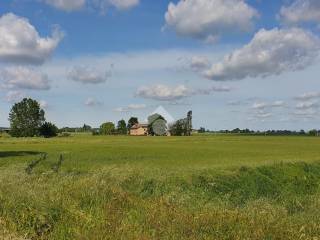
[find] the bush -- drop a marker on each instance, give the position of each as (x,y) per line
(64,134)
(48,130)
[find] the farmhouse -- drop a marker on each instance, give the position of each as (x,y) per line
(139,130)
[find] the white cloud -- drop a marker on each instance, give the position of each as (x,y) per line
(124,4)
(305,113)
(168,93)
(259,105)
(208,19)
(131,107)
(23,78)
(263,115)
(270,52)
(264,105)
(308,96)
(301,11)
(101,5)
(87,75)
(91,102)
(163,92)
(209,90)
(14,96)
(67,5)
(199,63)
(307,105)
(21,43)
(278,104)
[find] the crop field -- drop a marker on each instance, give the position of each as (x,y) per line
(199,187)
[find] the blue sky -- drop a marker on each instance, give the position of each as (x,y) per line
(249,64)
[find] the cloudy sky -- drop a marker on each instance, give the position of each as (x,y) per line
(236,63)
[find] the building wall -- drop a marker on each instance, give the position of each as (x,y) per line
(139,131)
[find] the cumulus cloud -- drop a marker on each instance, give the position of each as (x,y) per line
(308,96)
(163,92)
(199,63)
(87,75)
(91,102)
(168,93)
(209,90)
(20,42)
(100,5)
(66,5)
(14,96)
(301,11)
(264,105)
(208,19)
(124,4)
(307,105)
(131,107)
(270,52)
(23,78)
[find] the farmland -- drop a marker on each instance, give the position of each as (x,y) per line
(199,187)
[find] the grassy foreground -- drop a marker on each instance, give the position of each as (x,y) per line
(201,187)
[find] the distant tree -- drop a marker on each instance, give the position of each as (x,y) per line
(313,132)
(25,118)
(86,128)
(107,128)
(132,121)
(48,130)
(157,125)
(202,130)
(177,129)
(122,127)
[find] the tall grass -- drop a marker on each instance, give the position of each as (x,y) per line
(65,197)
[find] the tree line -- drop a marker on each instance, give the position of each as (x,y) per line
(27,119)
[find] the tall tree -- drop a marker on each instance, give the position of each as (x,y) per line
(122,127)
(26,117)
(157,125)
(86,128)
(132,121)
(107,128)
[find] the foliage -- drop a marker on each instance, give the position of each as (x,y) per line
(157,125)
(202,130)
(122,127)
(25,118)
(132,121)
(48,130)
(107,128)
(177,128)
(86,128)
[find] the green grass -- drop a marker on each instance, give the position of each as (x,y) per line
(200,187)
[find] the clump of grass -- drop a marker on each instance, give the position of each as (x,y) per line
(56,167)
(34,163)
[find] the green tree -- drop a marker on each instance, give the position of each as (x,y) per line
(122,127)
(26,117)
(132,121)
(107,128)
(157,125)
(48,130)
(177,129)
(86,128)
(202,130)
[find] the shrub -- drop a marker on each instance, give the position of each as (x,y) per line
(48,130)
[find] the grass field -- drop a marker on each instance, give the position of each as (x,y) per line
(199,187)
